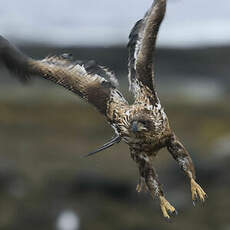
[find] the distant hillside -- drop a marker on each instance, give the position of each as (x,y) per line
(210,63)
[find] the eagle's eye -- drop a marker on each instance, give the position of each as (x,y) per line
(139,126)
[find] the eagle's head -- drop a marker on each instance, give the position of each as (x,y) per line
(149,123)
(141,124)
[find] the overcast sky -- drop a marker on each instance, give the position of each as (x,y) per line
(105,22)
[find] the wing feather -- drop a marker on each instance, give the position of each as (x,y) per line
(141,46)
(94,83)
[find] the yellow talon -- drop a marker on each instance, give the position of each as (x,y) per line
(141,185)
(197,191)
(138,188)
(166,207)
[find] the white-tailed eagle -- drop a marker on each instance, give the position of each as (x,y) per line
(143,125)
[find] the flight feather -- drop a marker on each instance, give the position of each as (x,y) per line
(90,81)
(141,47)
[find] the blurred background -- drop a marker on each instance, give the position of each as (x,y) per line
(44,129)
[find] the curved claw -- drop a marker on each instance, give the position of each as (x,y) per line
(197,192)
(139,188)
(141,185)
(167,209)
(175,213)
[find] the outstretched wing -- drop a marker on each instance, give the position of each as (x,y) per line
(141,46)
(91,82)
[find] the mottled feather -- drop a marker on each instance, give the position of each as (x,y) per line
(141,47)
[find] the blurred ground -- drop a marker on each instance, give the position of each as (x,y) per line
(44,131)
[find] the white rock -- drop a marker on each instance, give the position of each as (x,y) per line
(68,220)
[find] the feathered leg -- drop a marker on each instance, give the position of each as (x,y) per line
(184,160)
(149,179)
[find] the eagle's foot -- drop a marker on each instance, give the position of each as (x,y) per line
(141,185)
(166,208)
(197,192)
(139,188)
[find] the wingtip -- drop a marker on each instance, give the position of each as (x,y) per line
(159,3)
(4,43)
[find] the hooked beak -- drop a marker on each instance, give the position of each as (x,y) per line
(137,127)
(134,127)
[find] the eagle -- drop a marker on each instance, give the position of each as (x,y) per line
(143,125)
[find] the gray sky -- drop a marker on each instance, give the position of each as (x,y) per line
(105,22)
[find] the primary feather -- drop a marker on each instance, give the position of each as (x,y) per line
(90,81)
(141,47)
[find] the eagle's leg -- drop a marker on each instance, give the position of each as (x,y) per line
(184,160)
(149,179)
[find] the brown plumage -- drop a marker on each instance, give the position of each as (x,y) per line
(143,125)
